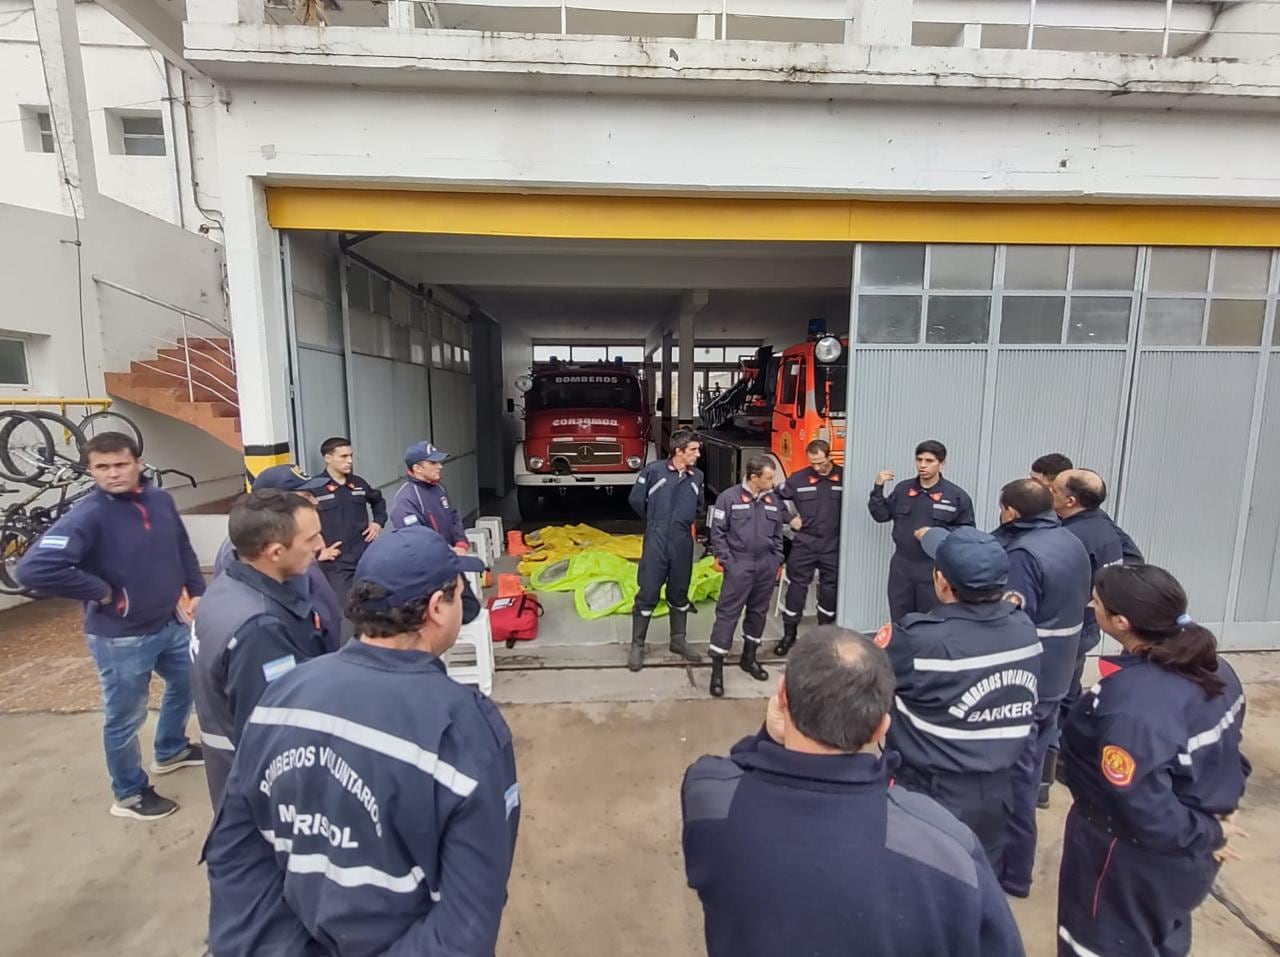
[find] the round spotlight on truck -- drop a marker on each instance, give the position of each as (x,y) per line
(634,462)
(827,349)
(524,383)
(535,463)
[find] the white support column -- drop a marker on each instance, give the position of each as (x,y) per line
(706,26)
(58,35)
(256,291)
(971,36)
(691,303)
(879,23)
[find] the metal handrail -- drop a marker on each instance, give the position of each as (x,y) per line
(191,385)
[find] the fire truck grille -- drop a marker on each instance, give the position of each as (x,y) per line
(585,453)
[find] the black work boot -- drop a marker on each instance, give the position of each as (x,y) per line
(639,628)
(1046,779)
(789,628)
(748,662)
(717,676)
(826,619)
(679,642)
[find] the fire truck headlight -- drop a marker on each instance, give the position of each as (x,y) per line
(827,349)
(535,463)
(634,462)
(524,383)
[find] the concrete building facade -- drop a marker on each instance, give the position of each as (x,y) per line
(1046,226)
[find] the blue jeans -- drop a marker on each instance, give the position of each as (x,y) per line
(124,669)
(1020,832)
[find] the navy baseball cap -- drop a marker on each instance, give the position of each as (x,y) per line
(290,478)
(967,558)
(411,563)
(423,452)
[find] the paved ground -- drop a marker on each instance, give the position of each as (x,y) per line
(598,870)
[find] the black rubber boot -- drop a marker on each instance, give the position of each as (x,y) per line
(1046,778)
(679,642)
(789,628)
(826,619)
(717,676)
(748,662)
(639,628)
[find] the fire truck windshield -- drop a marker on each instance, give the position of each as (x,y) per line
(584,390)
(833,379)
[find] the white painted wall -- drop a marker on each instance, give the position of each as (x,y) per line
(120,73)
(41,281)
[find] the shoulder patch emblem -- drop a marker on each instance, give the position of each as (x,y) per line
(1118,766)
(884,635)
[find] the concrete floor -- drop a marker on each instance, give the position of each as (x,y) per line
(598,869)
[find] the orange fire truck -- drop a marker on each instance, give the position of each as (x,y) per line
(781,403)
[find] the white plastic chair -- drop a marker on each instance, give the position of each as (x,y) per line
(810,597)
(482,545)
(470,661)
(492,524)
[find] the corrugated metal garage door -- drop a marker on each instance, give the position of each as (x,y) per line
(1146,365)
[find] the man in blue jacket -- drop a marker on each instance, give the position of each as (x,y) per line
(124,552)
(422,500)
(804,812)
(373,805)
(256,624)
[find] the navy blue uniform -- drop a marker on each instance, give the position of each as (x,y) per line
(1152,764)
(910,506)
(372,810)
(1049,574)
(967,679)
(848,864)
(668,501)
(746,537)
(312,584)
(817,499)
(345,510)
(252,630)
(427,504)
(1107,544)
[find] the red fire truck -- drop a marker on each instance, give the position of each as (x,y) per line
(585,426)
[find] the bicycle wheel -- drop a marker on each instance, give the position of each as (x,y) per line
(15,539)
(26,448)
(108,421)
(68,440)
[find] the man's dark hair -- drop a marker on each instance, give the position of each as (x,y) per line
(1026,497)
(108,443)
(333,444)
(1087,488)
(1051,465)
(839,687)
(388,622)
(932,447)
(265,516)
(816,446)
(757,464)
(682,439)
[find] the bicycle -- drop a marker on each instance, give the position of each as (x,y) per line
(27,448)
(33,442)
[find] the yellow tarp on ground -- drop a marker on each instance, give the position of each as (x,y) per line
(600,570)
(560,541)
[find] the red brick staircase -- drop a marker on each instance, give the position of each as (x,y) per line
(195,384)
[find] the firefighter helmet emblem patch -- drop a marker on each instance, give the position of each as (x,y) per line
(1118,765)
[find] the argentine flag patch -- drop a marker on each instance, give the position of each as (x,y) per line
(512,798)
(54,541)
(274,669)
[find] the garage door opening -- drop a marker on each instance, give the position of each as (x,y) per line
(550,371)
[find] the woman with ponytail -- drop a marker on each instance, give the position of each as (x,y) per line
(1152,758)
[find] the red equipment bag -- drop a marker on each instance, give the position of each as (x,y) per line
(515,618)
